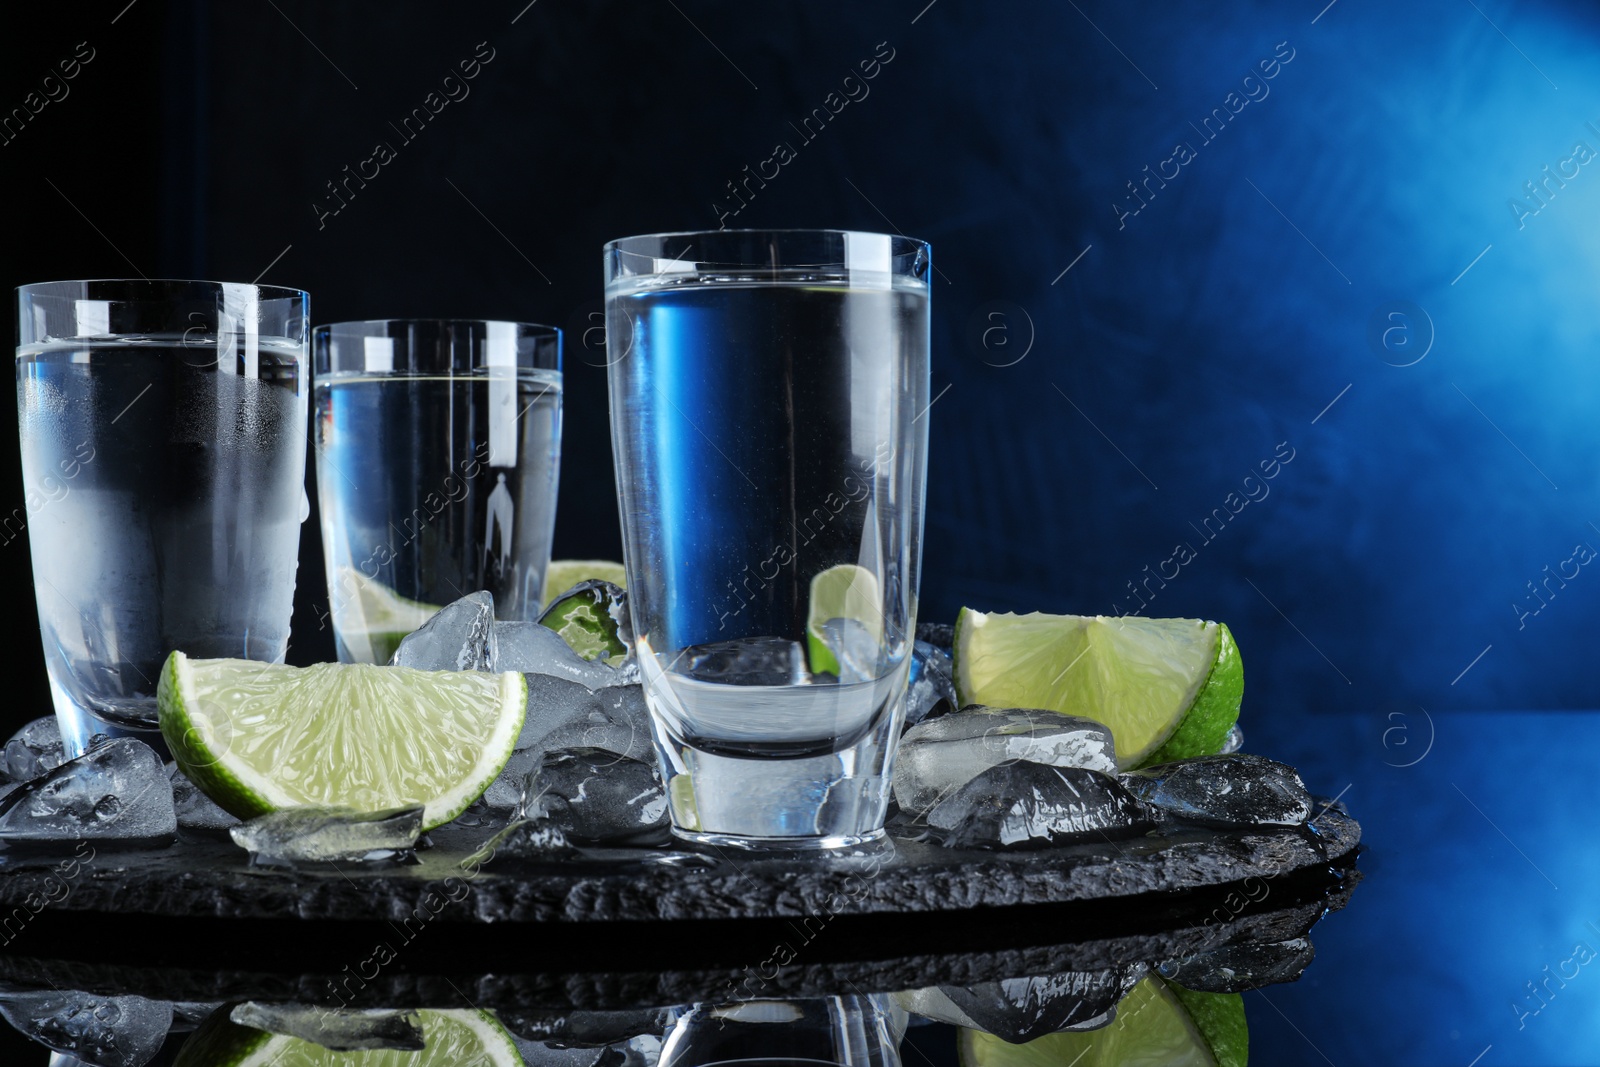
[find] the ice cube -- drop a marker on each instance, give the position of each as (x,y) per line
(590,1029)
(460,637)
(748,661)
(941,755)
(32,750)
(1021,1009)
(117,793)
(1234,741)
(103,1031)
(1246,965)
(598,797)
(939,634)
(593,618)
(854,648)
(505,793)
(329,835)
(1030,804)
(566,714)
(539,840)
(196,811)
(338,1029)
(534,649)
(932,685)
(1233,790)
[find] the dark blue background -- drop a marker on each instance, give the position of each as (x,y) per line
(1112,379)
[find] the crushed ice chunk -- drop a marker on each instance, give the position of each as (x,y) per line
(32,750)
(459,637)
(534,649)
(566,714)
(117,793)
(931,687)
(941,635)
(1021,1009)
(338,1029)
(1232,790)
(329,835)
(195,810)
(525,839)
(1233,742)
(589,1029)
(941,755)
(102,1031)
(505,793)
(599,797)
(1030,804)
(748,661)
(1238,967)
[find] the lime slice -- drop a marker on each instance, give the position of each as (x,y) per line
(261,737)
(1166,687)
(1156,1026)
(454,1038)
(563,574)
(584,621)
(371,619)
(847,591)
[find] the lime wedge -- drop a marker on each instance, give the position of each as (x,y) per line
(563,574)
(261,737)
(583,618)
(1155,1027)
(1167,688)
(455,1038)
(847,591)
(371,618)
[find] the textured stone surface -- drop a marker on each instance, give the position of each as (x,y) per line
(200,878)
(538,993)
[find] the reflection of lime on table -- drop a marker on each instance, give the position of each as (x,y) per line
(1157,1025)
(456,1038)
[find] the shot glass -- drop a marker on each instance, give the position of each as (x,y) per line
(766,398)
(163,462)
(438,447)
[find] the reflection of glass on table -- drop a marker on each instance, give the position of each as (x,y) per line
(438,448)
(766,393)
(163,457)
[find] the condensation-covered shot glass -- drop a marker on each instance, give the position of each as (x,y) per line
(163,458)
(767,393)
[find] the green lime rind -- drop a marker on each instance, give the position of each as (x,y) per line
(197,759)
(1204,730)
(261,737)
(587,627)
(1221,1021)
(820,657)
(220,1042)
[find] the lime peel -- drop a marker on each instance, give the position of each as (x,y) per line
(261,737)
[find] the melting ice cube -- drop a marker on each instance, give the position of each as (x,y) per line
(117,793)
(941,755)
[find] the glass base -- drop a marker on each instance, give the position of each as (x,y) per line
(832,801)
(79,725)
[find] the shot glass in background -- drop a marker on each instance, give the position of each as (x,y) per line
(766,394)
(163,462)
(438,447)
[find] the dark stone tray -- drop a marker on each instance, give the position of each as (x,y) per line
(213,879)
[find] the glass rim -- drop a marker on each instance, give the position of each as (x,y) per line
(535,329)
(281,291)
(617,243)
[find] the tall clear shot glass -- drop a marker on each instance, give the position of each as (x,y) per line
(767,392)
(163,460)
